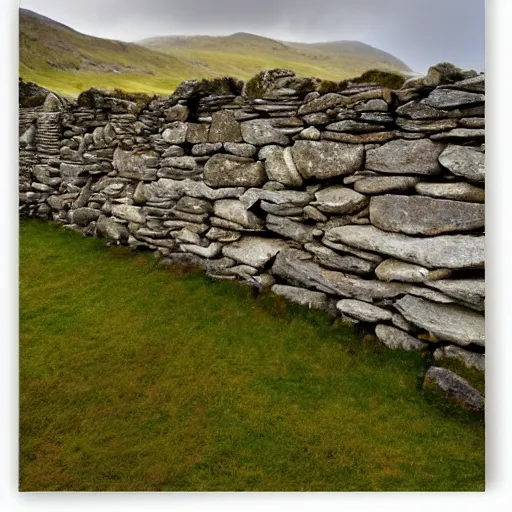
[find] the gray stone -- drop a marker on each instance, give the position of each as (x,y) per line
(455,388)
(279,197)
(469,359)
(332,260)
(261,132)
(279,165)
(471,291)
(55,202)
(349,125)
(405,157)
(254,251)
(419,215)
(179,162)
(235,211)
(186,236)
(381,184)
(344,248)
(445,321)
(301,296)
(177,113)
(464,161)
(132,165)
(224,127)
(111,230)
(416,110)
(40,187)
(310,212)
(223,235)
(376,117)
(322,103)
(375,105)
(173,151)
(310,133)
(396,270)
(454,251)
(228,170)
(206,148)
(241,149)
(425,125)
(285,210)
(83,216)
(289,229)
(324,159)
(197,133)
(473,84)
(460,135)
(128,212)
(397,339)
(205,252)
(456,191)
(193,205)
(363,311)
(452,98)
(339,199)
(176,133)
(399,321)
(319,118)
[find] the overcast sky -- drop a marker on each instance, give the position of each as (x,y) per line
(420,32)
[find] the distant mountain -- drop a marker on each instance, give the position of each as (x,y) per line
(60,58)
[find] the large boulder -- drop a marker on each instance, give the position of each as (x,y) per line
(233,171)
(464,161)
(325,159)
(452,252)
(418,215)
(406,157)
(445,321)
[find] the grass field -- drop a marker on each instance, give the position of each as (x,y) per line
(135,378)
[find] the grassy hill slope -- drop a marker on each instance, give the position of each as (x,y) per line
(60,58)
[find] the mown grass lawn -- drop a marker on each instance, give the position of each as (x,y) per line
(134,378)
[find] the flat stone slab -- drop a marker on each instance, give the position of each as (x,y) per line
(448,251)
(290,229)
(406,157)
(420,215)
(363,311)
(235,211)
(445,321)
(324,159)
(301,296)
(254,251)
(233,171)
(395,339)
(455,387)
(382,184)
(469,359)
(339,199)
(261,132)
(224,127)
(452,98)
(456,191)
(471,291)
(334,261)
(396,270)
(464,161)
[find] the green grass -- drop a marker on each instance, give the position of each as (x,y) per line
(135,378)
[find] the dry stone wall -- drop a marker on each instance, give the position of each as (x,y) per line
(366,202)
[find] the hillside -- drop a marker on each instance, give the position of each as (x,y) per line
(60,58)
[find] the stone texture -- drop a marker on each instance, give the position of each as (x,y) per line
(464,161)
(453,252)
(363,311)
(419,215)
(279,165)
(224,127)
(339,199)
(396,270)
(131,165)
(382,184)
(324,159)
(175,133)
(261,132)
(241,149)
(254,251)
(456,191)
(229,171)
(469,359)
(127,212)
(455,387)
(445,321)
(301,296)
(322,103)
(471,291)
(344,262)
(83,216)
(235,211)
(289,228)
(395,339)
(451,98)
(406,157)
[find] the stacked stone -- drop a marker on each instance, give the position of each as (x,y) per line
(366,202)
